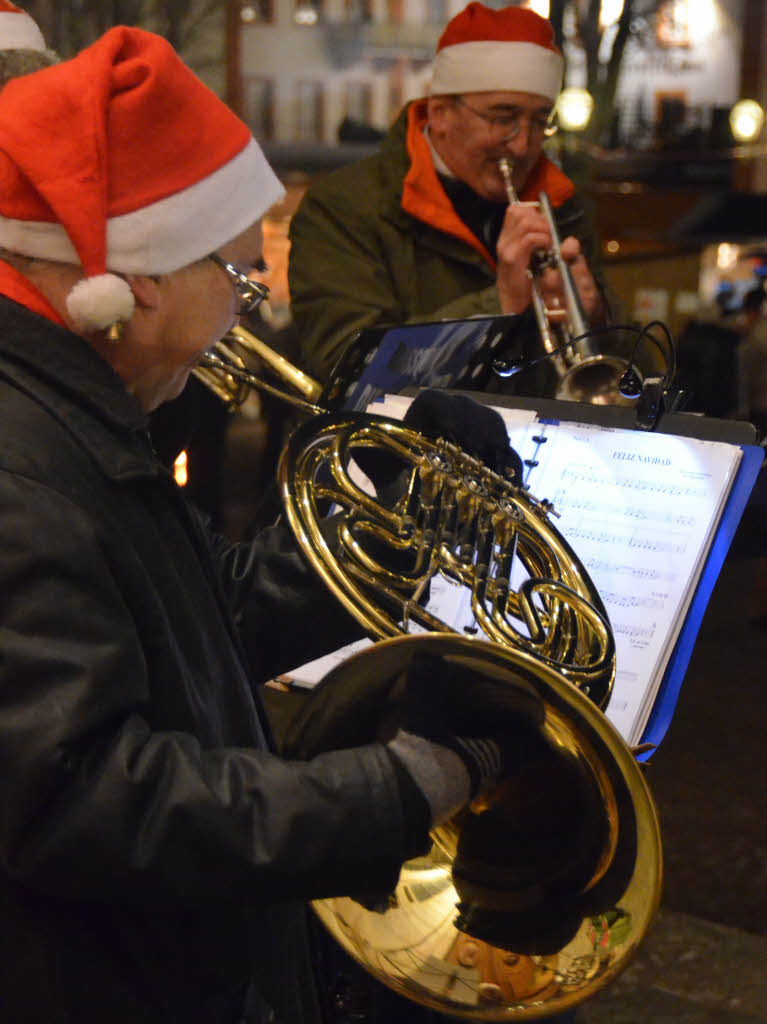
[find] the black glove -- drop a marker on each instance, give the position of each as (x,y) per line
(475,428)
(463,706)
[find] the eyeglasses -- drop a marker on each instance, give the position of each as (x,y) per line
(508,126)
(250,294)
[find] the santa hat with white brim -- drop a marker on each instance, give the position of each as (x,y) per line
(486,50)
(122,161)
(18,31)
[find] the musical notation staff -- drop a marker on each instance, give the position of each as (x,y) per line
(638,509)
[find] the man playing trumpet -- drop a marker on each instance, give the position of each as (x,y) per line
(423,229)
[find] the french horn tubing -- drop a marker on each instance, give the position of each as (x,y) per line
(537,896)
(585,372)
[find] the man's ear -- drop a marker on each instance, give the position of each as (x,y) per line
(146,290)
(437,108)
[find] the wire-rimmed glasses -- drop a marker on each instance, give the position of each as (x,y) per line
(508,125)
(250,294)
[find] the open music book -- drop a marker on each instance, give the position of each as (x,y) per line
(641,510)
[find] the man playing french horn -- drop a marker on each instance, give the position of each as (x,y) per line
(156,854)
(423,229)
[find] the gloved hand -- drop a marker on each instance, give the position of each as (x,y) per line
(475,428)
(464,724)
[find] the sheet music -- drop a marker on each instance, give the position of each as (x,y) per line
(639,509)
(309,674)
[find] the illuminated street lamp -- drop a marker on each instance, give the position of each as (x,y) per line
(746,120)
(305,13)
(539,6)
(574,108)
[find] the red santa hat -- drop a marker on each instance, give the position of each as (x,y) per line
(122,161)
(17,30)
(486,50)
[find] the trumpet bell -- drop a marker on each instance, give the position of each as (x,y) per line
(519,910)
(594,379)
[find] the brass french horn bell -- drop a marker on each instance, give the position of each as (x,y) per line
(513,913)
(476,928)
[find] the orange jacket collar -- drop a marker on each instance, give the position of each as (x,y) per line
(15,286)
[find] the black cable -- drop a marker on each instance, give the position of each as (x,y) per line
(667,350)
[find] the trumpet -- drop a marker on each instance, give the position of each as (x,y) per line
(585,373)
(571,911)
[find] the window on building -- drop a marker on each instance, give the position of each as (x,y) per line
(673,25)
(358,10)
(436,12)
(395,13)
(395,97)
(309,119)
(258,105)
(359,101)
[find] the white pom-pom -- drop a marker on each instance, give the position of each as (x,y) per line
(97,302)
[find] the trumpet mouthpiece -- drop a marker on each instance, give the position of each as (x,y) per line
(506,169)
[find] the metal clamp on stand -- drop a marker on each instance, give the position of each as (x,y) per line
(650,403)
(656,399)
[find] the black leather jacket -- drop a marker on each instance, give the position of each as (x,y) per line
(154,852)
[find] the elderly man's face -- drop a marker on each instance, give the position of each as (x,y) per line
(474,131)
(180,315)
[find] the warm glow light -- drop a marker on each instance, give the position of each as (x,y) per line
(613,245)
(705,22)
(248,13)
(727,255)
(610,12)
(574,108)
(179,470)
(539,6)
(305,14)
(746,120)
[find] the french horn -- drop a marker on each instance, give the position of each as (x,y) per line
(537,896)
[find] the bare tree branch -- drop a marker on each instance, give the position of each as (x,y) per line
(603,70)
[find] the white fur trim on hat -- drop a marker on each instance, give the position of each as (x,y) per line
(19,32)
(173,232)
(97,302)
(495,66)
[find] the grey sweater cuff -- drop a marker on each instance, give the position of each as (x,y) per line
(439,773)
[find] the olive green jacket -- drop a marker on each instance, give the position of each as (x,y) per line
(358,259)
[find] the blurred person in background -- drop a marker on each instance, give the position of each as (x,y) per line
(707,357)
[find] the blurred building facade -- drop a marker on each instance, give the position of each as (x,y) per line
(320,80)
(303,66)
